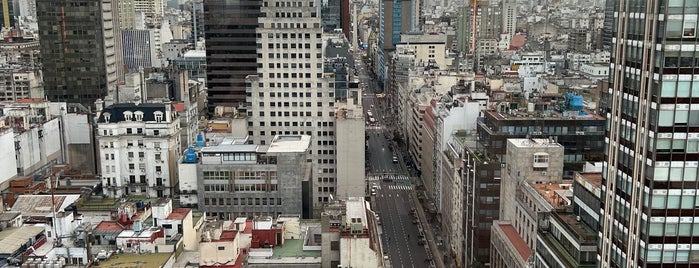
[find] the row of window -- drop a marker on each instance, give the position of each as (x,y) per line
(239,175)
(295,104)
(285,114)
(672,256)
(292,35)
(290,55)
(660,201)
(294,94)
(290,45)
(673,229)
(243,201)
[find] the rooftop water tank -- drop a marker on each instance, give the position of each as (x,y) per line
(190,156)
(575,102)
(200,141)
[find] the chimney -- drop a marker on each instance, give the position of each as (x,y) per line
(168,111)
(99,105)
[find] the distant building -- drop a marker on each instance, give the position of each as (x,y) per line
(138,147)
(7,13)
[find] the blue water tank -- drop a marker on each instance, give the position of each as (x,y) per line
(190,156)
(575,102)
(139,204)
(200,141)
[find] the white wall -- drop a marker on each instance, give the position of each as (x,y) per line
(355,252)
(460,118)
(8,169)
(77,129)
(350,157)
(188,182)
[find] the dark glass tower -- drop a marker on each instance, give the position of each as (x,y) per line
(72,50)
(650,207)
(231,50)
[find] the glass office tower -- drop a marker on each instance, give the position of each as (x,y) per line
(650,208)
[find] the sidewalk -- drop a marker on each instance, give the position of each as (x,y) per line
(434,250)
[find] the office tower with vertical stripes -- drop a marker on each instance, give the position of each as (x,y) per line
(649,214)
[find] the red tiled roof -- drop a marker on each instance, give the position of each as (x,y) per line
(109,226)
(512,235)
(178,213)
(227,235)
(248,227)
(518,41)
(179,106)
(29,100)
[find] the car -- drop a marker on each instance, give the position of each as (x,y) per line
(373,191)
(415,221)
(395,159)
(421,242)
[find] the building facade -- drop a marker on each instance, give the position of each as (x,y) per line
(243,180)
(649,192)
(290,93)
(138,147)
(231,49)
(73,56)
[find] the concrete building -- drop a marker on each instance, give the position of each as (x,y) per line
(350,236)
(350,151)
(477,180)
(219,244)
(138,147)
(290,93)
(242,180)
(580,133)
(19,84)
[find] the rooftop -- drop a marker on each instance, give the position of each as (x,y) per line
(517,241)
(12,239)
(546,115)
(556,194)
(288,144)
(592,181)
(40,205)
(355,209)
(178,213)
(582,233)
(136,260)
(195,54)
(109,226)
(116,112)
(539,143)
(293,248)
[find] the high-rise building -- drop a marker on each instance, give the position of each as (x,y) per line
(7,14)
(77,46)
(290,93)
(649,190)
(231,48)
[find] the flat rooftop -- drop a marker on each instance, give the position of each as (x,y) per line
(136,260)
(538,143)
(592,181)
(289,144)
(556,194)
(293,248)
(517,241)
(583,233)
(178,213)
(355,209)
(548,115)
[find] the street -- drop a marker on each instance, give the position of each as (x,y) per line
(392,197)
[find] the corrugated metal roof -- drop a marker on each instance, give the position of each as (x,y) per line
(12,239)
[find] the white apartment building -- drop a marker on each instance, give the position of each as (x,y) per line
(139,145)
(291,95)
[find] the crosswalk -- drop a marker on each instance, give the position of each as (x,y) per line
(392,177)
(399,187)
